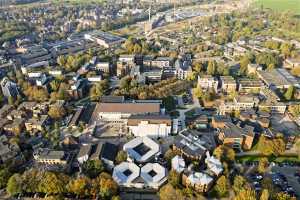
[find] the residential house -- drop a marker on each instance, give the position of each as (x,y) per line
(207,81)
(228,84)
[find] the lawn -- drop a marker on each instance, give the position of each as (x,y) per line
(280,5)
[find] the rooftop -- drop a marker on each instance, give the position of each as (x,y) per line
(132,108)
(126,173)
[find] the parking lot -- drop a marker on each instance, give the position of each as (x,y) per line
(286,178)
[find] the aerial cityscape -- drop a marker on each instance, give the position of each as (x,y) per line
(150,99)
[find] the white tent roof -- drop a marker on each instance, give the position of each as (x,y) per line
(126,172)
(147,142)
(153,173)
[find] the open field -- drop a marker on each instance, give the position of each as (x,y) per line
(280,5)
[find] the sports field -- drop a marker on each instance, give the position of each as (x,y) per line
(280,5)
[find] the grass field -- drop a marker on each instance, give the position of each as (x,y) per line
(280,5)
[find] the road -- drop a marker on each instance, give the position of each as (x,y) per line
(182,112)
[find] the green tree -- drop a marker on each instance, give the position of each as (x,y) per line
(11,100)
(108,187)
(121,157)
(289,93)
(92,168)
(197,92)
(4,177)
(244,65)
(14,185)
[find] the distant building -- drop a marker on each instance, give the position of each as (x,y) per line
(194,144)
(207,81)
(199,181)
(291,63)
(183,69)
(228,84)
(153,126)
(9,88)
(104,39)
(237,137)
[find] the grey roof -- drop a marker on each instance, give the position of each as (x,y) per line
(126,172)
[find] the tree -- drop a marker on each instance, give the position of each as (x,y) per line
(244,65)
(211,68)
(198,67)
(92,168)
(239,183)
(295,110)
(264,195)
(121,157)
(79,186)
(224,153)
(289,93)
(246,194)
(14,185)
(174,178)
(222,186)
(263,165)
(197,92)
(282,196)
(4,177)
(61,61)
(56,112)
(108,187)
(52,184)
(11,100)
(168,192)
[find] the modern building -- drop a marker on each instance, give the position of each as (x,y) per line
(153,126)
(141,149)
(183,69)
(214,165)
(250,85)
(52,157)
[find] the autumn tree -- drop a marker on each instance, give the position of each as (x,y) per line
(168,192)
(51,183)
(246,194)
(211,68)
(264,195)
(263,165)
(79,186)
(174,178)
(288,95)
(239,183)
(56,112)
(222,187)
(4,177)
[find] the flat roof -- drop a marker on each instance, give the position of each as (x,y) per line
(126,172)
(134,108)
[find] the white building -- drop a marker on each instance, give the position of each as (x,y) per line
(178,164)
(207,82)
(213,164)
(152,126)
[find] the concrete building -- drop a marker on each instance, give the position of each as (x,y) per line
(126,174)
(183,69)
(250,85)
(153,126)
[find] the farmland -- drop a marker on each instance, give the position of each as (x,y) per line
(280,5)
